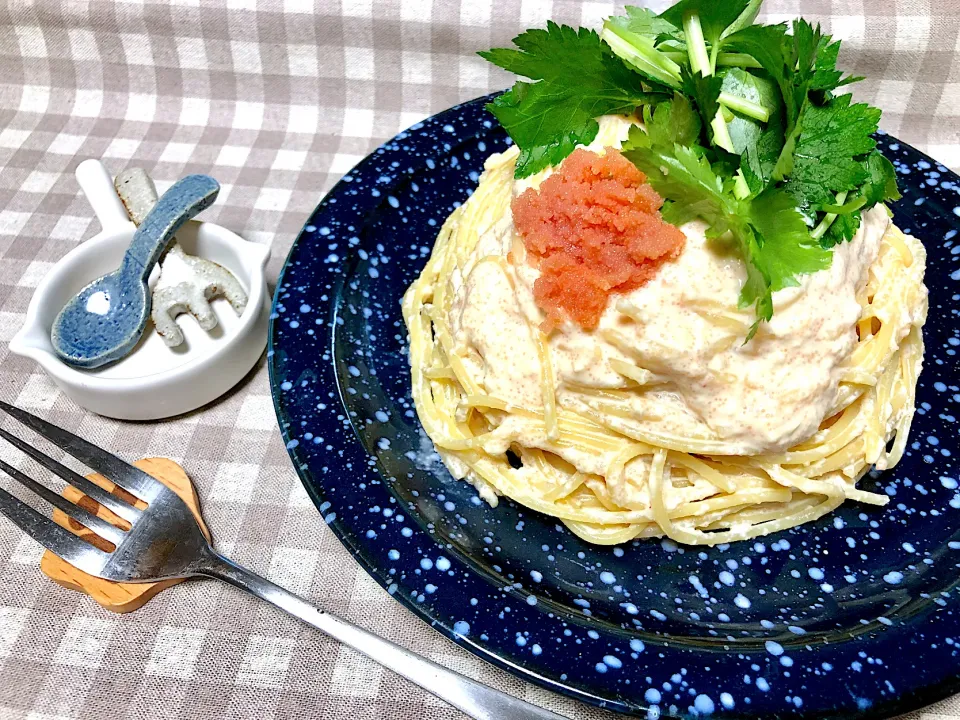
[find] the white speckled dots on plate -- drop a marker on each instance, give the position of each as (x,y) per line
(807,623)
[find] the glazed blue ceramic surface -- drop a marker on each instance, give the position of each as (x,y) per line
(854,616)
(103,322)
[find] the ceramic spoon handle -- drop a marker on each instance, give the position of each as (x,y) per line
(182,201)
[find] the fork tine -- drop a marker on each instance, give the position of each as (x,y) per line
(87,519)
(128,477)
(88,488)
(57,540)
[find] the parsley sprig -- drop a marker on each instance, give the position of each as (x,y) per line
(744,126)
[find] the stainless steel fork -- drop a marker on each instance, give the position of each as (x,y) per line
(164,541)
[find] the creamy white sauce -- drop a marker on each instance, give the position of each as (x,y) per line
(764,396)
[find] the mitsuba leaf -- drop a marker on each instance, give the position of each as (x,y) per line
(786,248)
(704,91)
(643,21)
(825,158)
(881,183)
(748,86)
(527,108)
(880,186)
(779,249)
(756,290)
(825,75)
(815,58)
(671,123)
(548,118)
(759,160)
(678,173)
(557,54)
(841,230)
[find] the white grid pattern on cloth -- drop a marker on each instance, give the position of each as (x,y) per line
(277,100)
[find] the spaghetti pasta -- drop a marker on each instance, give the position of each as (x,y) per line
(585,454)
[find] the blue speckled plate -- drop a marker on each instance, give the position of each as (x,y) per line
(853,616)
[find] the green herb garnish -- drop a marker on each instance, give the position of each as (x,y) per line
(743,126)
(549,118)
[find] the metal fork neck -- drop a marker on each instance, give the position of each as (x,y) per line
(473,698)
(214,565)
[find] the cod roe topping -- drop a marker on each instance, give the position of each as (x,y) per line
(595,228)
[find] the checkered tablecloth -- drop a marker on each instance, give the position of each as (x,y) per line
(277,100)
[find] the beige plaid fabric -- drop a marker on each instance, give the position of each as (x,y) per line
(277,100)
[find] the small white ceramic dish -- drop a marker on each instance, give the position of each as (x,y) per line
(154,381)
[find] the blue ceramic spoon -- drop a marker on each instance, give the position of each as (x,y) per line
(103,322)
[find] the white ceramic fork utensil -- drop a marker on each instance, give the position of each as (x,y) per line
(164,541)
(186,283)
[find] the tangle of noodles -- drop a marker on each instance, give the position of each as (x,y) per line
(659,483)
